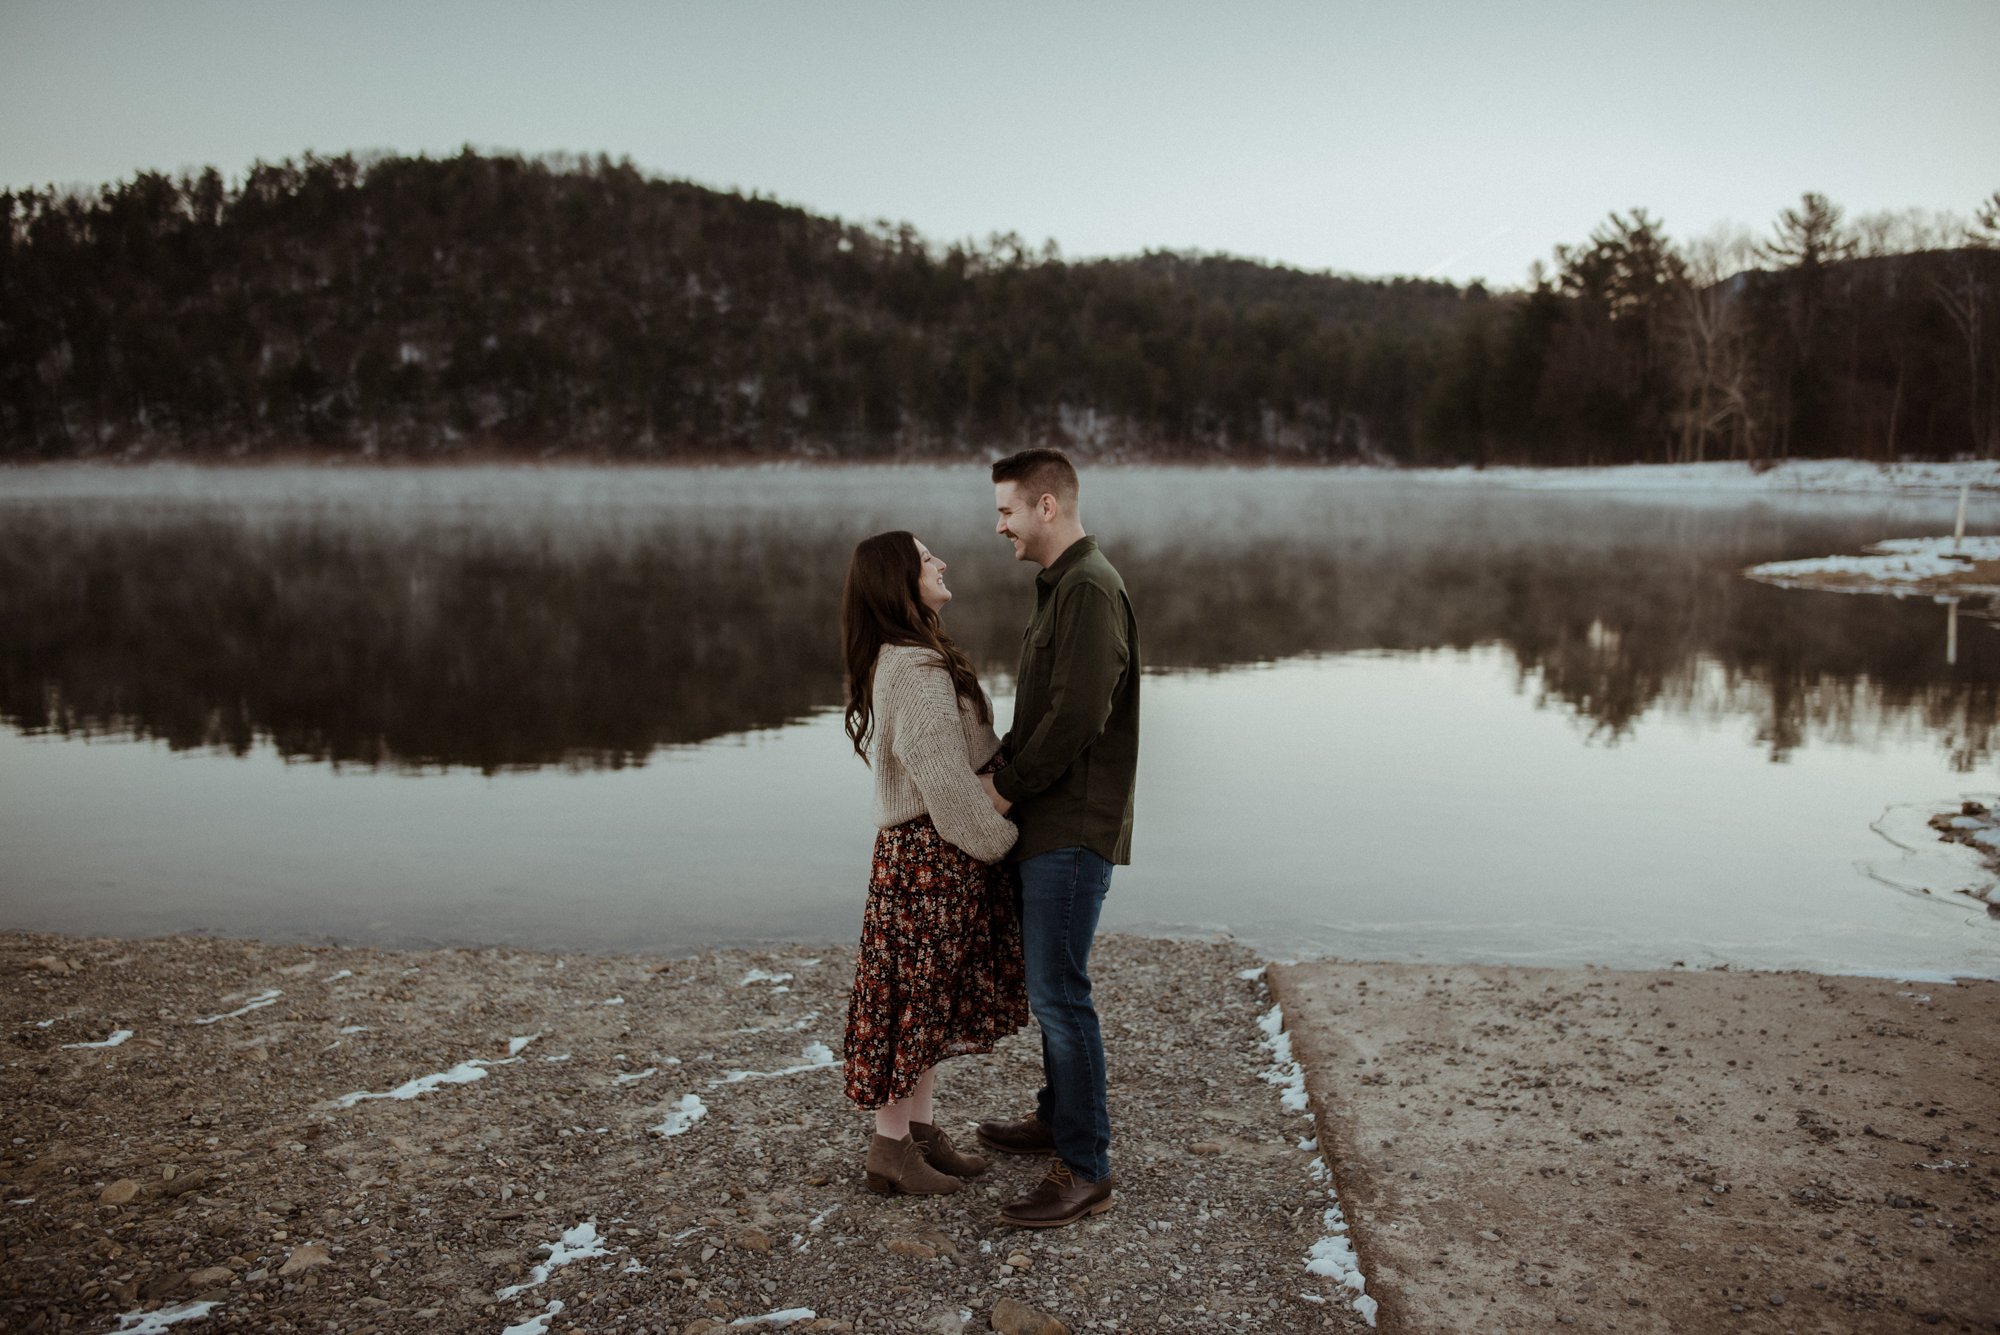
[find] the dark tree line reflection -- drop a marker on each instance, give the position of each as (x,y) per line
(491,638)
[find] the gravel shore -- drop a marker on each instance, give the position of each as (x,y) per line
(216,1153)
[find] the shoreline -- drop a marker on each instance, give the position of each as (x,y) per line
(207,1150)
(1907,478)
(1250,946)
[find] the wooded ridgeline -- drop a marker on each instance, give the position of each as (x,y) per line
(410,307)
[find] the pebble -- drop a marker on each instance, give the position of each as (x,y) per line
(308,1257)
(1013,1317)
(1020,1261)
(1488,1235)
(120,1192)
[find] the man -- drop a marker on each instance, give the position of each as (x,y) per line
(1071,758)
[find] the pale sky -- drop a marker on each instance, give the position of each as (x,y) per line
(1460,138)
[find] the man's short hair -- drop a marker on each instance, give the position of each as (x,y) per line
(1038,472)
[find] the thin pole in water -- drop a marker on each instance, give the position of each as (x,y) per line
(1951,636)
(1958,531)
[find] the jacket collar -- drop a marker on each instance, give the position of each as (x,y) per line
(1061,566)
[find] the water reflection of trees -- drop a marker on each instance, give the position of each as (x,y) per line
(494,642)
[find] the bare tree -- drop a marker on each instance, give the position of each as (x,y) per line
(1709,349)
(1985,230)
(1963,297)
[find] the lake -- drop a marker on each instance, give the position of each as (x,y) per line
(1387,716)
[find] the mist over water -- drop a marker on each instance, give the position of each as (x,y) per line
(462,639)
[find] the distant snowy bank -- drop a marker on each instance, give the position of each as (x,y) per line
(1824,476)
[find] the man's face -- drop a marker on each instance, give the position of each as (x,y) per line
(1021,521)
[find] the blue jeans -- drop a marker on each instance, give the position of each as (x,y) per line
(1062,893)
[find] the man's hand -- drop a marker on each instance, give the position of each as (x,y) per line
(1000,804)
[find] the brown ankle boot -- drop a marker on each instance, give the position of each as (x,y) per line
(941,1154)
(898,1165)
(1027,1136)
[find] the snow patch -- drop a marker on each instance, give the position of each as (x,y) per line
(152,1323)
(354,1029)
(1333,1255)
(634,1077)
(344,973)
(1283,1072)
(1811,476)
(117,1036)
(684,1115)
(761,976)
(818,1056)
(1253,975)
(514,1045)
(779,1319)
(580,1243)
(462,1074)
(258,1002)
(1890,567)
(539,1323)
(1923,864)
(612,1001)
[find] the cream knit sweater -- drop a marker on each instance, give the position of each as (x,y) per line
(927,747)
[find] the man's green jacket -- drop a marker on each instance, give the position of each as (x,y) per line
(1073,751)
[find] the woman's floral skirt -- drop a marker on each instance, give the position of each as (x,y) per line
(939,970)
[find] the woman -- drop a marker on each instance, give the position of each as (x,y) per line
(939,969)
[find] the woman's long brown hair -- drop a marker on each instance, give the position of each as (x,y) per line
(880,605)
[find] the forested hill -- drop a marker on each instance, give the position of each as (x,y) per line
(422,308)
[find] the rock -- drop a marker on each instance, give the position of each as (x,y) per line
(308,1257)
(1020,1260)
(184,1182)
(120,1192)
(751,1240)
(211,1276)
(701,1324)
(945,1321)
(1012,1317)
(1488,1235)
(915,1248)
(1204,1148)
(1777,1300)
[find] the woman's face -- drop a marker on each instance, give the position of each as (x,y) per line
(930,580)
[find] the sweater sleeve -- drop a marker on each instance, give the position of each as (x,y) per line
(930,743)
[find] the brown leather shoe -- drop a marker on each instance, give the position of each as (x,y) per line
(942,1155)
(898,1165)
(1060,1198)
(1027,1136)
